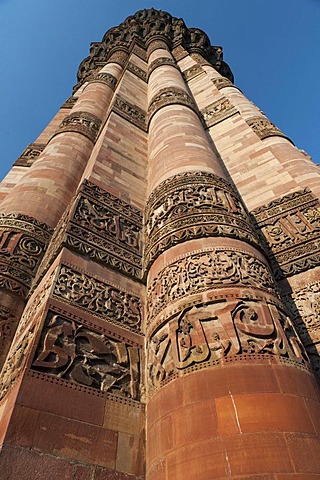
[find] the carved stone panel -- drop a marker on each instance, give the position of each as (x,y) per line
(158,62)
(218,111)
(193,205)
(23,241)
(131,67)
(192,72)
(130,112)
(205,270)
(210,333)
(106,78)
(98,297)
(29,155)
(8,324)
(170,96)
(222,82)
(264,128)
(290,228)
(70,102)
(70,350)
(81,122)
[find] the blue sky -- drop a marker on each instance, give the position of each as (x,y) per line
(271,46)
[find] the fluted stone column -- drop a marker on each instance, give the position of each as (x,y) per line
(220,346)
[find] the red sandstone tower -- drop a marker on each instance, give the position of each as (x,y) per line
(160,277)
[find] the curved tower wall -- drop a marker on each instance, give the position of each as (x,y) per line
(160,276)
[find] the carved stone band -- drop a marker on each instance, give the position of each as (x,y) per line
(29,155)
(205,270)
(70,102)
(192,205)
(130,112)
(192,72)
(223,82)
(81,122)
(222,330)
(264,128)
(290,230)
(170,96)
(105,78)
(218,111)
(131,67)
(158,62)
(99,298)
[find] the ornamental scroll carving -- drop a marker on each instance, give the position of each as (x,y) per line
(170,96)
(23,241)
(8,323)
(81,122)
(29,155)
(193,205)
(71,351)
(205,270)
(290,228)
(130,112)
(211,333)
(264,128)
(106,229)
(222,82)
(98,297)
(218,111)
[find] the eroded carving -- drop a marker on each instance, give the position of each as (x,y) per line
(290,228)
(209,333)
(204,270)
(192,205)
(264,128)
(218,111)
(98,297)
(8,323)
(74,352)
(81,122)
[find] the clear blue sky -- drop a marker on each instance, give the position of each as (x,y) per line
(272,47)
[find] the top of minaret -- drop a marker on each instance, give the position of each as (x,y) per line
(144,26)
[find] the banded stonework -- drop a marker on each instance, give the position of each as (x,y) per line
(290,228)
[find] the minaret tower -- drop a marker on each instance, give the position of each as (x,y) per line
(160,277)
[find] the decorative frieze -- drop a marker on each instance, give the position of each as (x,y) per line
(222,82)
(170,96)
(8,323)
(70,350)
(290,228)
(192,72)
(29,155)
(192,205)
(204,270)
(264,128)
(225,330)
(159,62)
(81,122)
(131,67)
(105,78)
(218,111)
(99,298)
(130,112)
(23,240)
(140,52)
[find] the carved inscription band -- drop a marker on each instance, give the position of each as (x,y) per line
(218,111)
(170,96)
(29,155)
(290,229)
(264,128)
(192,205)
(158,62)
(105,78)
(81,122)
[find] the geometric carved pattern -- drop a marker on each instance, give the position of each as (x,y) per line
(193,205)
(218,111)
(215,332)
(170,96)
(290,227)
(29,155)
(99,298)
(130,112)
(23,241)
(204,270)
(81,122)
(72,351)
(106,229)
(264,128)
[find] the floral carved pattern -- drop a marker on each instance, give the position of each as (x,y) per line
(211,333)
(192,205)
(290,228)
(72,351)
(98,297)
(205,270)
